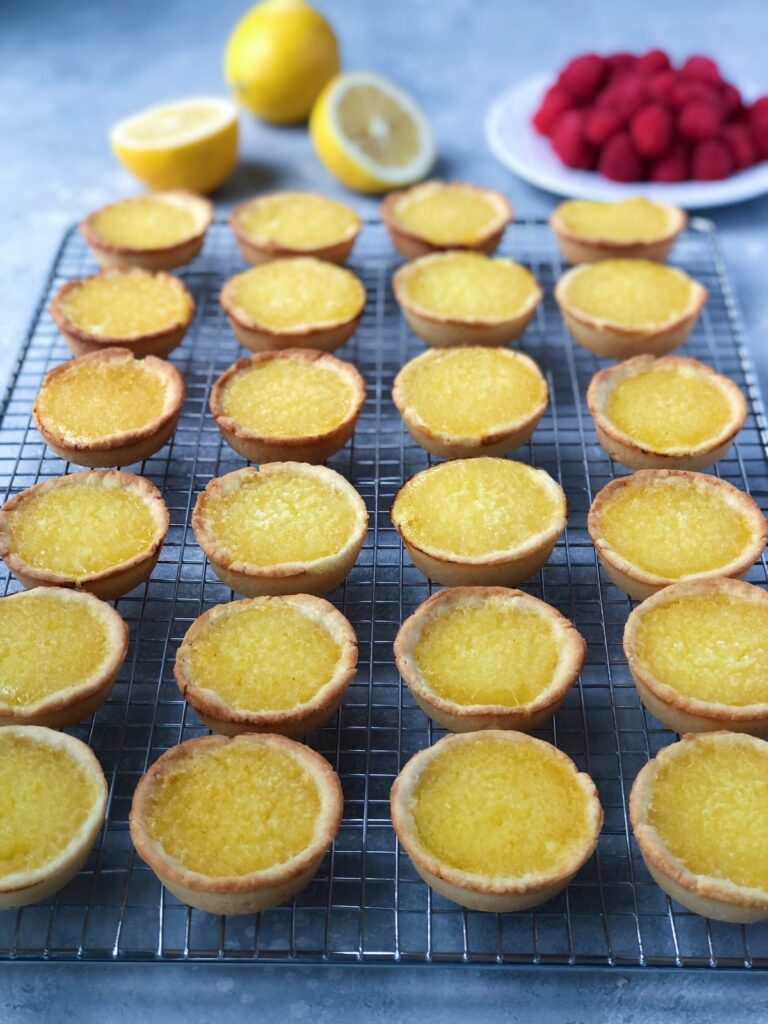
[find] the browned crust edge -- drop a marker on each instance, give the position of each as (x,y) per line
(262,250)
(578,248)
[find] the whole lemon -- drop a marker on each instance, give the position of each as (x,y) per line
(279,57)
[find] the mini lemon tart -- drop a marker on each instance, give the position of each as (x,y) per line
(662,526)
(460,298)
(236,825)
(636,228)
(294,224)
(698,656)
(287,528)
(99,531)
(134,309)
(297,405)
(488,658)
(53,800)
(698,811)
(300,302)
(470,400)
(268,664)
(665,413)
(495,820)
(480,521)
(440,215)
(60,653)
(159,231)
(109,408)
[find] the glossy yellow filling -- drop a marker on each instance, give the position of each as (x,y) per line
(288,398)
(489,652)
(264,657)
(97,399)
(302,292)
(45,797)
(270,520)
(234,809)
(630,220)
(469,286)
(709,805)
(673,528)
(81,529)
(713,647)
(468,392)
(669,407)
(446,214)
(145,223)
(501,809)
(473,507)
(298,220)
(126,304)
(631,293)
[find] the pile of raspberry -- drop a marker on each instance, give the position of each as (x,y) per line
(638,118)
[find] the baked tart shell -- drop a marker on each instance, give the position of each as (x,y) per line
(263,250)
(578,248)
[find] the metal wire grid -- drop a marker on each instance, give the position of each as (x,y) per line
(366,903)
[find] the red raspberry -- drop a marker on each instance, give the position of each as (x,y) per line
(582,77)
(620,63)
(600,123)
(740,143)
(662,87)
(569,143)
(651,129)
(703,68)
(554,103)
(673,166)
(698,120)
(733,104)
(757,116)
(687,90)
(624,95)
(653,62)
(619,160)
(711,161)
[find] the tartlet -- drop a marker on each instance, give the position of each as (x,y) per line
(496,820)
(471,400)
(297,405)
(109,408)
(636,228)
(148,313)
(619,308)
(297,302)
(488,658)
(439,215)
(236,825)
(479,522)
(698,811)
(268,664)
(294,224)
(698,657)
(53,800)
(662,526)
(99,531)
(60,653)
(160,231)
(287,528)
(665,413)
(461,298)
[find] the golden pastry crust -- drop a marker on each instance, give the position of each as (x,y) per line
(294,722)
(128,446)
(412,245)
(109,583)
(153,343)
(639,583)
(716,898)
(111,254)
(471,717)
(241,894)
(257,249)
(625,449)
(308,448)
(580,248)
(481,892)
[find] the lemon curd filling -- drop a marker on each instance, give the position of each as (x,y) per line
(673,528)
(145,223)
(234,809)
(709,803)
(631,220)
(126,304)
(298,220)
(500,809)
(45,796)
(494,652)
(292,293)
(634,293)
(446,215)
(470,286)
(288,398)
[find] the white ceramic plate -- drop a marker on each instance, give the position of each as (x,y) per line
(519,147)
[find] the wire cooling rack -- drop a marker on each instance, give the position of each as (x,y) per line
(367,904)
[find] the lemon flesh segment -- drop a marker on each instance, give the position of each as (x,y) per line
(633,293)
(145,223)
(126,304)
(470,287)
(298,221)
(448,215)
(631,220)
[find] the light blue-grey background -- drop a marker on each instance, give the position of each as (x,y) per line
(68,70)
